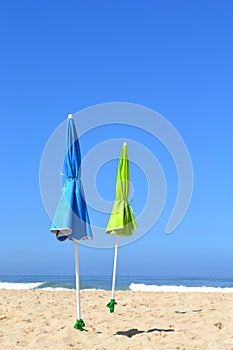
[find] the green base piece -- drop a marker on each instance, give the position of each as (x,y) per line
(79,324)
(111,305)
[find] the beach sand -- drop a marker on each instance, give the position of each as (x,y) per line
(39,319)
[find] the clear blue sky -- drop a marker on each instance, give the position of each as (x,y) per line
(172,56)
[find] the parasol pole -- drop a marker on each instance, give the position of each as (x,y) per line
(79,324)
(77,280)
(114,268)
(112,302)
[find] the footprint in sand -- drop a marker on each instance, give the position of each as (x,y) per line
(22,343)
(3,318)
(218,324)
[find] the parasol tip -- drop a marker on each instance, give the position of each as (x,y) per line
(125,144)
(70,116)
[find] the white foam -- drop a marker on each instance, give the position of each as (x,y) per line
(29,286)
(20,286)
(57,289)
(92,290)
(183,289)
(71,290)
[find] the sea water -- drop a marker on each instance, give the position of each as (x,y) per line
(134,283)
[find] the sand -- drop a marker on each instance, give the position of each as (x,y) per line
(37,319)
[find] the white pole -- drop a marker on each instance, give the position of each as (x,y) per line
(114,267)
(77,281)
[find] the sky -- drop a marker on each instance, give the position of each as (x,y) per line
(174,57)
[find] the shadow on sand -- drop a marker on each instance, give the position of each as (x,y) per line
(131,332)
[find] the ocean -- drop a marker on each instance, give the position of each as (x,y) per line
(134,283)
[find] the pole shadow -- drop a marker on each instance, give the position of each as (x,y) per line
(131,332)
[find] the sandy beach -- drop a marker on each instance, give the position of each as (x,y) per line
(39,319)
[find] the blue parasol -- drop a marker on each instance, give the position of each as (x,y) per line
(71,220)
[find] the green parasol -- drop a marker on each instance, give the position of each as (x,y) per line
(121,221)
